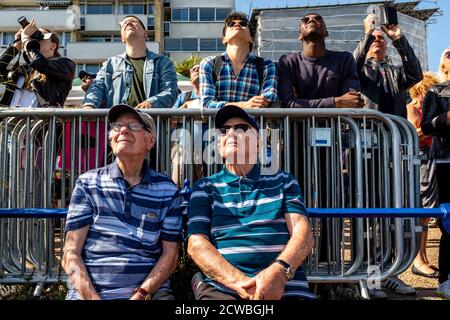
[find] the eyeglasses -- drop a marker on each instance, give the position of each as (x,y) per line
(447,55)
(123,24)
(242,127)
(306,20)
(231,24)
(133,126)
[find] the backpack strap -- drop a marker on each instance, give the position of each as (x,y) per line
(259,63)
(186,96)
(217,64)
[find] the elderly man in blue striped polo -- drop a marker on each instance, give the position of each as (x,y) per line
(248,232)
(123,224)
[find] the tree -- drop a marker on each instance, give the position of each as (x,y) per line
(184,66)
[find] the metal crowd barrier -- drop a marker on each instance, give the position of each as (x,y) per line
(342,158)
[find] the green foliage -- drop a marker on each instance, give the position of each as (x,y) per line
(184,66)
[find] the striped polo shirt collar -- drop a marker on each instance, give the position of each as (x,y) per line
(114,172)
(227,176)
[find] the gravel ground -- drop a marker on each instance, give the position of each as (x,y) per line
(425,287)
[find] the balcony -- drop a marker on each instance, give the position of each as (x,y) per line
(56,20)
(106,22)
(97,52)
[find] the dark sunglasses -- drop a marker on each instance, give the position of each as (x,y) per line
(306,20)
(231,24)
(447,55)
(241,126)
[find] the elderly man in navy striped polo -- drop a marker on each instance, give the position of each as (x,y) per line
(248,232)
(123,224)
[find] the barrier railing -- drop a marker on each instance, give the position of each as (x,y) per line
(342,158)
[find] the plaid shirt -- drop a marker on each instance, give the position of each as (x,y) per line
(229,88)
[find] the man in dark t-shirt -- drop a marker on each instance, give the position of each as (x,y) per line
(317,77)
(137,93)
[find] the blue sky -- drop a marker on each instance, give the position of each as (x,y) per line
(438,33)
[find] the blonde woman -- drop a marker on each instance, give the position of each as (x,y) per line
(436,122)
(428,188)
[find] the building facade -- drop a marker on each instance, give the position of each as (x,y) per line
(194,27)
(89,29)
(277,29)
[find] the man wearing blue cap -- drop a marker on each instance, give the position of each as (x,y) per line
(123,224)
(248,232)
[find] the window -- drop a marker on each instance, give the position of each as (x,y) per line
(189,44)
(150,9)
(199,14)
(208,45)
(100,38)
(166,29)
(222,13)
(185,44)
(213,44)
(92,68)
(151,22)
(172,44)
(180,14)
(106,8)
(193,14)
(66,38)
(8,38)
(220,45)
(207,14)
(138,8)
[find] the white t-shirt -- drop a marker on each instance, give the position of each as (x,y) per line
(22,97)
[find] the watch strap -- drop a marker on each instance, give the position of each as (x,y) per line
(283,263)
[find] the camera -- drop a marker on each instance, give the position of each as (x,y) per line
(386,15)
(24,22)
(82,74)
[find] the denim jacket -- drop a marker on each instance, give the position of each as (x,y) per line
(113,82)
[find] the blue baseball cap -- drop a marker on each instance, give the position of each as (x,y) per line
(232,111)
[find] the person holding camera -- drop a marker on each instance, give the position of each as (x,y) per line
(383,84)
(46,78)
(383,88)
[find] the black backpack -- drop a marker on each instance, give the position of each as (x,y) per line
(259,63)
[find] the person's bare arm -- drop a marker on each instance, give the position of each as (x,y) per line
(254,102)
(270,282)
(74,266)
(414,117)
(215,266)
(162,269)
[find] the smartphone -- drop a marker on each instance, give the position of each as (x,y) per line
(23,21)
(391,15)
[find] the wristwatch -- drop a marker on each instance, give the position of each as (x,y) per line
(147,295)
(289,270)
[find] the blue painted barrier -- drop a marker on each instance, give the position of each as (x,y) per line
(442,212)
